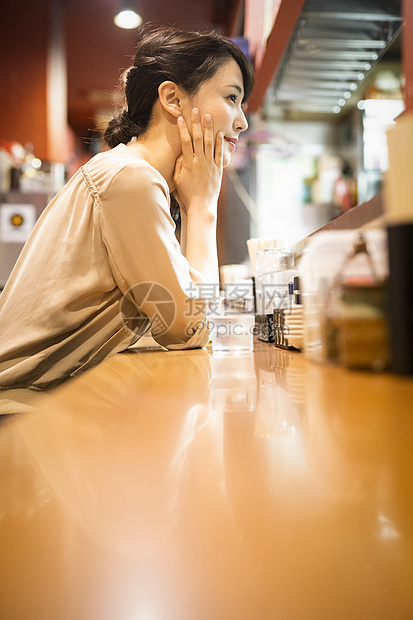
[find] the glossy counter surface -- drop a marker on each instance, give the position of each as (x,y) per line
(178,486)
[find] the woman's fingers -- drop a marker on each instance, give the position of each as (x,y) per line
(202,140)
(219,149)
(197,133)
(186,140)
(208,136)
(198,170)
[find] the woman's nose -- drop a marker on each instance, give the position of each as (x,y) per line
(241,121)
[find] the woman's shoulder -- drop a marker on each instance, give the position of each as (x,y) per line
(120,164)
(121,175)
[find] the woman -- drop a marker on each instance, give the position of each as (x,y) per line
(103,263)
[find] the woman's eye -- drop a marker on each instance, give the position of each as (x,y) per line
(233,98)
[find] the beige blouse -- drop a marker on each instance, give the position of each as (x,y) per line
(101,266)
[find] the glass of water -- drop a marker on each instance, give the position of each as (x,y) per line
(232,328)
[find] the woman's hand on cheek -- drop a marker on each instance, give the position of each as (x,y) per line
(198,171)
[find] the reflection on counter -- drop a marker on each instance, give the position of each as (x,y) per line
(172,485)
(234,383)
(281,404)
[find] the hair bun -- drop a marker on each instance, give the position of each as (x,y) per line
(120,130)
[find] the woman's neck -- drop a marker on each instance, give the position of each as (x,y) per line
(160,149)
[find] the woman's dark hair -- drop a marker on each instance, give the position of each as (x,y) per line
(184,57)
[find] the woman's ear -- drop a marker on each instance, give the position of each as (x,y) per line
(170,98)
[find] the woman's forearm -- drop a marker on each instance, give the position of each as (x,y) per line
(200,238)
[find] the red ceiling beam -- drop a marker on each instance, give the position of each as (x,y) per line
(285,20)
(407,52)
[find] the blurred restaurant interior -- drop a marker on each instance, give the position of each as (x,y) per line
(329,81)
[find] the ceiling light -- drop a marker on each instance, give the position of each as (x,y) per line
(127,17)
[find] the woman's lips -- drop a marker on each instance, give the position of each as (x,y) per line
(232,141)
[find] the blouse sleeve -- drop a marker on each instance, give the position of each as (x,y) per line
(146,259)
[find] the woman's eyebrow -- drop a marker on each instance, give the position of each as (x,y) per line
(238,88)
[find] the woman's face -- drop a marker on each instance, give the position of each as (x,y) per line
(221,96)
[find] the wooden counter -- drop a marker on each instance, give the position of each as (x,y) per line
(178,486)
